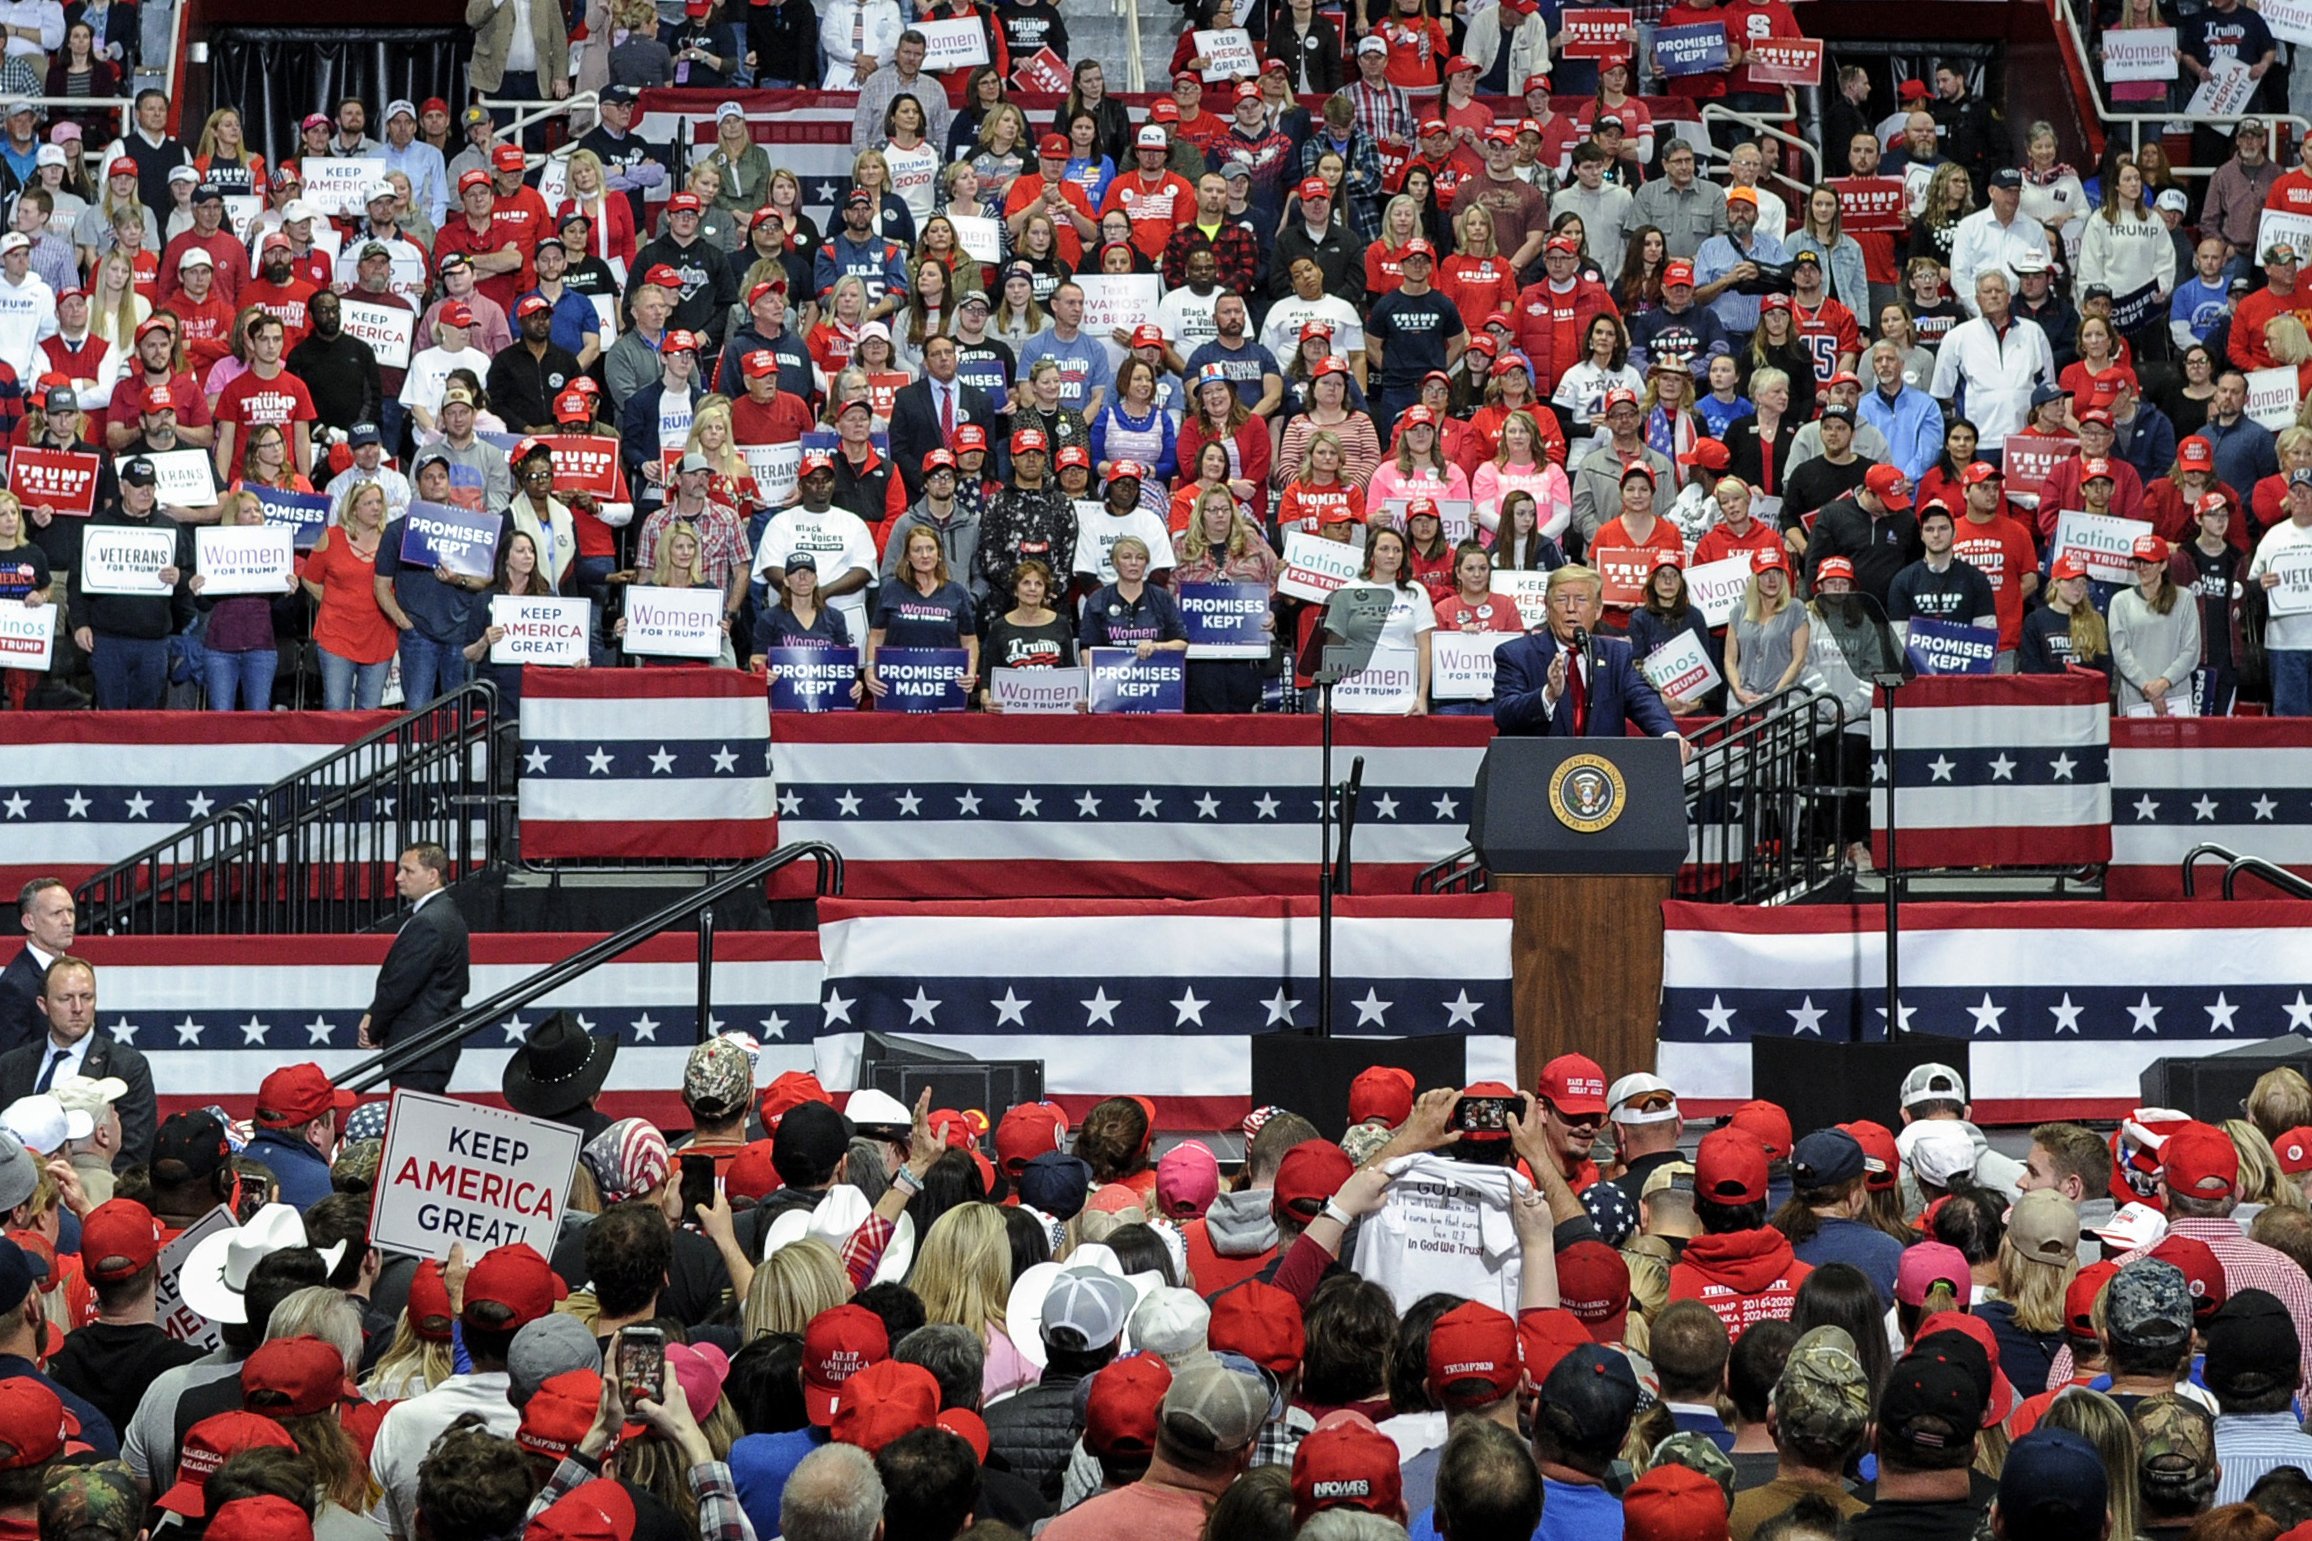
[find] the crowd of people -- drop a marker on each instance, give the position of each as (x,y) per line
(1479,1314)
(1396,288)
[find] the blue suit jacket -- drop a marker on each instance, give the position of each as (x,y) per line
(1618,696)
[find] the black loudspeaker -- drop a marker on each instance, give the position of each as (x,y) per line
(1311,1076)
(2213,1087)
(1820,1084)
(904,1066)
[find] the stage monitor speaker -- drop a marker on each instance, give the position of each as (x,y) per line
(903,1067)
(1311,1076)
(1820,1084)
(2212,1087)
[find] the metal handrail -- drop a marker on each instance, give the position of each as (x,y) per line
(252,867)
(2134,121)
(1765,806)
(699,903)
(2198,854)
(1136,72)
(2271,872)
(532,110)
(1714,112)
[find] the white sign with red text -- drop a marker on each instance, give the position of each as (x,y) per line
(455,1171)
(540,630)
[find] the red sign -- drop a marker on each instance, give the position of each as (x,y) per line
(2029,458)
(61,480)
(1625,570)
(1784,61)
(583,463)
(1046,72)
(1870,204)
(881,388)
(1596,34)
(1395,155)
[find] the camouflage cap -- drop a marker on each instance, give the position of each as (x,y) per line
(2176,1447)
(1823,1395)
(355,1169)
(99,1499)
(2149,1305)
(718,1080)
(1696,1453)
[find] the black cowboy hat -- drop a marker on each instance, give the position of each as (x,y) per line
(557,1068)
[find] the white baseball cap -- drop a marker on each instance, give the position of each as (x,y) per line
(1625,1097)
(44,1124)
(1933,1083)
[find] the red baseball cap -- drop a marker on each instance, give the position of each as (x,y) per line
(1346,1463)
(838,1345)
(299,1094)
(2199,1161)
(1381,1094)
(207,1443)
(517,1278)
(750,1174)
(1028,440)
(969,437)
(1261,1322)
(1547,1334)
(294,1377)
(882,1402)
(1311,1173)
(2079,1297)
(1028,1130)
(1709,454)
(1054,147)
(1677,273)
(2148,548)
(1164,110)
(2203,1272)
(1674,1503)
(1730,1167)
(2294,1148)
(1593,1282)
(121,166)
(455,313)
(429,1303)
(790,1089)
(600,1510)
(559,1413)
(1888,484)
(2094,468)
(260,1517)
(1881,1159)
(1473,1342)
(1434,126)
(1573,1083)
(2196,453)
(2069,566)
(121,1230)
(572,406)
(472,178)
(508,157)
(1121,1410)
(1313,188)
(944,460)
(1980,471)
(1418,247)
(1832,567)
(1147,335)
(759,364)
(531,305)
(1765,1121)
(1074,455)
(684,203)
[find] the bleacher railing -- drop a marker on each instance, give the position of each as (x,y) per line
(2235,867)
(2085,72)
(315,853)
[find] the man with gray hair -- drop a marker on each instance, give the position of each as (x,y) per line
(1988,367)
(834,1495)
(1210,1420)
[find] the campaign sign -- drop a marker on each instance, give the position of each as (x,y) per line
(2225,93)
(812,679)
(2277,227)
(1453,515)
(2148,53)
(1388,686)
(1314,567)
(184,478)
(1691,50)
(586,463)
(334,183)
(181,1322)
(303,514)
(1680,668)
(777,470)
(1038,692)
(459,1172)
(2273,396)
(1951,647)
(1716,588)
(243,210)
(2105,542)
(388,329)
(463,540)
(1123,681)
(120,559)
(2292,595)
(2028,459)
(923,679)
(1113,300)
(244,558)
(979,236)
(1225,620)
(1784,61)
(27,636)
(674,623)
(1044,72)
(2289,20)
(1594,32)
(1624,571)
(882,386)
(1227,54)
(1530,590)
(540,630)
(1867,204)
(1461,663)
(953,45)
(61,479)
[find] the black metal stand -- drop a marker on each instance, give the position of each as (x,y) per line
(1888,685)
(1324,1027)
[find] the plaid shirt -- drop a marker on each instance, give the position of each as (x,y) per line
(1280,1438)
(722,542)
(1383,112)
(719,1516)
(2250,1265)
(1235,251)
(1364,160)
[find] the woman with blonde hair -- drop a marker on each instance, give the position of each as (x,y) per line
(115,308)
(962,1275)
(2104,1424)
(298,1383)
(871,174)
(2038,1258)
(1477,278)
(710,435)
(223,156)
(1001,153)
(419,1357)
(2262,1183)
(352,633)
(1950,198)
(836,337)
(743,166)
(610,218)
(1520,465)
(797,1282)
(2066,631)
(1385,258)
(2280,1100)
(1766,645)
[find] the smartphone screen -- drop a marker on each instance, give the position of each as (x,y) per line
(642,1364)
(1482,1115)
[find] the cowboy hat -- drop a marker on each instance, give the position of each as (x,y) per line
(215,1277)
(557,1068)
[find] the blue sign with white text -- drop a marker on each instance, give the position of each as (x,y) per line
(460,539)
(1123,681)
(812,679)
(922,679)
(306,513)
(1952,647)
(1225,620)
(1691,50)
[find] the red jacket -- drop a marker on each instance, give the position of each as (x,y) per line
(1744,1277)
(1538,326)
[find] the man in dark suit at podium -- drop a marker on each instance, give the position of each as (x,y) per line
(1543,686)
(425,974)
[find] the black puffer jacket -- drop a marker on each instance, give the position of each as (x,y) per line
(1035,1431)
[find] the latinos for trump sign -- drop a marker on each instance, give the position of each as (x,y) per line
(244,558)
(27,636)
(461,539)
(1692,50)
(1314,567)
(458,1172)
(1951,647)
(1680,668)
(540,630)
(61,480)
(1225,620)
(2105,542)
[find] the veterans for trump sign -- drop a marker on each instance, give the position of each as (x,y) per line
(458,1172)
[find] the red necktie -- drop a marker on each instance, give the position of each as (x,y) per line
(947,413)
(1578,690)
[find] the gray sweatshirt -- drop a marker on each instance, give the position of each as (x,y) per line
(2146,645)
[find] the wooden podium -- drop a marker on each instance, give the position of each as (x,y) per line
(1586,835)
